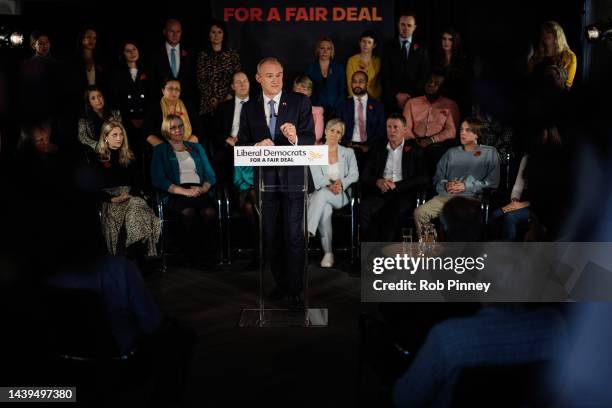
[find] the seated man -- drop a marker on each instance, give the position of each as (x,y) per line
(393,175)
(226,125)
(364,118)
(463,171)
(432,119)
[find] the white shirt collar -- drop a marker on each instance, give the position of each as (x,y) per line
(238,100)
(409,39)
(400,147)
(177,47)
(276,99)
(364,98)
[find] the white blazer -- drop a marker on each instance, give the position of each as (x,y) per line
(349,172)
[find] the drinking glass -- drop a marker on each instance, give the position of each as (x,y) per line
(406,239)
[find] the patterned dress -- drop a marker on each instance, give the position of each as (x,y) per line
(133,216)
(215,70)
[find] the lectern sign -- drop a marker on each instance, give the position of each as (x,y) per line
(281,156)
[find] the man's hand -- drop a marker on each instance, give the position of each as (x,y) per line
(231,141)
(265,142)
(288,130)
(385,185)
(206,187)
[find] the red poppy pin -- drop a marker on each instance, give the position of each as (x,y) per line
(370,107)
(407,149)
(107,164)
(477,153)
(142,77)
(184,53)
(189,149)
(415,46)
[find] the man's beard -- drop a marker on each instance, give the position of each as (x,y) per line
(358,91)
(432,97)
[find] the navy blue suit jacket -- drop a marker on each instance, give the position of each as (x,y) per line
(375,120)
(294,108)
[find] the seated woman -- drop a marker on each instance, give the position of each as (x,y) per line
(330,184)
(95,114)
(122,209)
(170,104)
(303,85)
(182,171)
(506,219)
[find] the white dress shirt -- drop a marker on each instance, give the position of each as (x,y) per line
(237,111)
(178,56)
(393,168)
(364,101)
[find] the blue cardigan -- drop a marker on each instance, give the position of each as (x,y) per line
(330,92)
(165,168)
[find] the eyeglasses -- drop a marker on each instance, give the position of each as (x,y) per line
(172,89)
(177,127)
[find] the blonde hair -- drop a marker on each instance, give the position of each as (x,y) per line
(561,47)
(125,154)
(318,44)
(333,122)
(180,110)
(305,81)
(165,126)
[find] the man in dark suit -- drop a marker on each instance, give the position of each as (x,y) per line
(392,177)
(363,117)
(405,66)
(277,118)
(226,123)
(172,60)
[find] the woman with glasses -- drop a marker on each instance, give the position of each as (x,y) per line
(182,173)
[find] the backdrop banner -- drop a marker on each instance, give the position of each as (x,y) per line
(289,30)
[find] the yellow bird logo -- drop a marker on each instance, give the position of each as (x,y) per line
(312,156)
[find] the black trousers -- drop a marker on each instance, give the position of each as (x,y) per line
(381,215)
(283,233)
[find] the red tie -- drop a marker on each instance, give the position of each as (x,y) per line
(361,121)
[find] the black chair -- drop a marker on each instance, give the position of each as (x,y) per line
(164,217)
